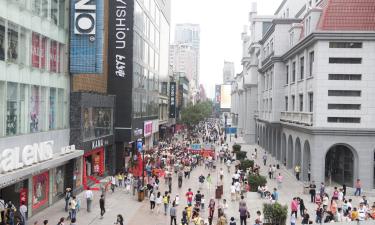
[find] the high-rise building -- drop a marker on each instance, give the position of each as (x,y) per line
(37,163)
(184,59)
(228,72)
(138,44)
(188,36)
(315,96)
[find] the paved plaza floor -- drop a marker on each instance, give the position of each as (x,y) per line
(138,213)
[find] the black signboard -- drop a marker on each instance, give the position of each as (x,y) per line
(172,100)
(120,63)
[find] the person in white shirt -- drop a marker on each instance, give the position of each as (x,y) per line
(89,197)
(233,192)
(238,189)
(23,211)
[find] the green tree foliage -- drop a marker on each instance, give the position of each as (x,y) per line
(256,180)
(245,164)
(193,114)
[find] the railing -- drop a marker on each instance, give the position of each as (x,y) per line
(302,118)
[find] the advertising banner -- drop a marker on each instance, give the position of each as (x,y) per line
(35,50)
(86,36)
(43,49)
(172,100)
(53,56)
(120,63)
(225,99)
(147,128)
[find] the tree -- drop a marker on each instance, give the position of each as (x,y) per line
(193,114)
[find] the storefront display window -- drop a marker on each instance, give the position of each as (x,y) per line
(58,184)
(12,42)
(43,48)
(2,40)
(22,44)
(34,109)
(53,57)
(78,172)
(12,109)
(93,162)
(40,190)
(97,122)
(52,108)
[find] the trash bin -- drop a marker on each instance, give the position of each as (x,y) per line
(141,195)
(306,190)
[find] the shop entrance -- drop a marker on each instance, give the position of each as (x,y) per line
(339,165)
(93,166)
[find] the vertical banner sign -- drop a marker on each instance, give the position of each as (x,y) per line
(120,62)
(172,100)
(35,50)
(86,36)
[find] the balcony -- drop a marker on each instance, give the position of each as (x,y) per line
(301,118)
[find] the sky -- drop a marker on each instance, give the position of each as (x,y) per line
(221,23)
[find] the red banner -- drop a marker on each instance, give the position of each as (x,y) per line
(53,56)
(35,50)
(40,190)
(43,48)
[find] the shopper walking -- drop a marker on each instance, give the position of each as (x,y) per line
(89,197)
(102,206)
(173,213)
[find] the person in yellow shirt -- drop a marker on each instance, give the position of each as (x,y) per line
(354,214)
(189,210)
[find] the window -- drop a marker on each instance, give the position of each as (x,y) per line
(343,120)
(345,60)
(287,75)
(302,67)
(12,115)
(345,44)
(35,50)
(60,108)
(34,111)
(271,79)
(97,122)
(311,63)
(12,42)
(43,53)
(52,108)
(301,103)
(2,40)
(345,106)
(62,13)
(53,56)
(36,6)
(286,103)
(44,8)
(22,46)
(293,102)
(294,72)
(311,102)
(54,11)
(344,77)
(349,93)
(270,104)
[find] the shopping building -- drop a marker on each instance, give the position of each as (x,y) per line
(138,41)
(37,161)
(315,90)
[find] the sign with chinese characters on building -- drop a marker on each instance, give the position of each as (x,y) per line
(172,100)
(147,128)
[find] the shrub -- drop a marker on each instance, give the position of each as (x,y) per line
(275,214)
(236,148)
(255,180)
(240,155)
(245,164)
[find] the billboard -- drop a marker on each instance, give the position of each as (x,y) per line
(225,96)
(172,100)
(120,63)
(86,36)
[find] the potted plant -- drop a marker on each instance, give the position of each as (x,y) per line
(236,148)
(240,155)
(245,164)
(255,181)
(275,214)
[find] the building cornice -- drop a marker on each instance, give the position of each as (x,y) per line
(269,63)
(337,35)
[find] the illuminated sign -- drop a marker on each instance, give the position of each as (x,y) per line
(225,99)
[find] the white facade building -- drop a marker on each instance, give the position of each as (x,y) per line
(316,90)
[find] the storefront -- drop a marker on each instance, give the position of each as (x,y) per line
(92,131)
(39,171)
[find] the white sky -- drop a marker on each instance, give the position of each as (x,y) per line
(221,23)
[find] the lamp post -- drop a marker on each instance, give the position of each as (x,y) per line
(225,125)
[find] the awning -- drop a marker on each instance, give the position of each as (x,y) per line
(21,174)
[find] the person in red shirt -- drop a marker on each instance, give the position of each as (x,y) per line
(189,195)
(358,188)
